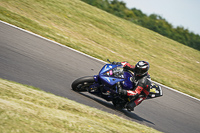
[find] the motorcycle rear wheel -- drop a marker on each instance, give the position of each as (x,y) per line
(82,84)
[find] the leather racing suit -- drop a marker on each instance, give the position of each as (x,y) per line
(141,87)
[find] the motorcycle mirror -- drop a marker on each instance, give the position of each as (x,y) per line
(109,60)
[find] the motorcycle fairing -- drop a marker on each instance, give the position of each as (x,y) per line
(110,81)
(107,76)
(127,84)
(107,67)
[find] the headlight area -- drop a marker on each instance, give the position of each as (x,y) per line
(115,72)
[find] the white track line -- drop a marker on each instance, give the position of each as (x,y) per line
(88,55)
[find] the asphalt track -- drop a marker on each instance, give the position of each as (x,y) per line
(28,59)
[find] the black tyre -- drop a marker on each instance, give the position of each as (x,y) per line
(82,84)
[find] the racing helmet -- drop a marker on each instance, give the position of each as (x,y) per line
(141,68)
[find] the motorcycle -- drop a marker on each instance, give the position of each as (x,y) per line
(104,84)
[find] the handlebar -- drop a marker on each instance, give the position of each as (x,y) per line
(115,63)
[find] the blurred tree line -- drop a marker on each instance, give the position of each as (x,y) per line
(153,22)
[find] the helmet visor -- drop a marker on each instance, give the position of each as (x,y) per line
(140,71)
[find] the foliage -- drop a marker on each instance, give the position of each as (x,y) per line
(153,22)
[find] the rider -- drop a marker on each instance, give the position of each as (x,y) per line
(141,82)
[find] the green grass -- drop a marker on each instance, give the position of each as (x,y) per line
(27,110)
(102,35)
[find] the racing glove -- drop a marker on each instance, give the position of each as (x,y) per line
(125,63)
(127,66)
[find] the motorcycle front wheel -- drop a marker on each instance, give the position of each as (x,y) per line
(82,84)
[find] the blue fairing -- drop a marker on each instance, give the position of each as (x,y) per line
(127,83)
(110,79)
(107,67)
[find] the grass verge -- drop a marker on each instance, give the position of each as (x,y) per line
(24,109)
(102,35)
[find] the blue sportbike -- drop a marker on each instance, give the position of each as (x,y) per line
(104,84)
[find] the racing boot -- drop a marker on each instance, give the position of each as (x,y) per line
(130,106)
(118,103)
